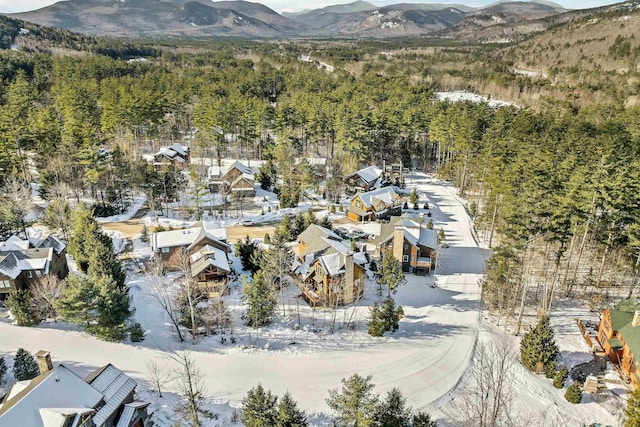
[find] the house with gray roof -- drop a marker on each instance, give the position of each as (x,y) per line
(327,271)
(364,180)
(58,397)
(177,155)
(380,203)
(236,179)
(23,262)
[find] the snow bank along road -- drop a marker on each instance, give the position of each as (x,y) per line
(425,363)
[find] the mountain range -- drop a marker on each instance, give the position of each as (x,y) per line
(239,18)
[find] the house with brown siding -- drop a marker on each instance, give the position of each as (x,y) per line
(363,180)
(23,262)
(327,272)
(377,204)
(210,269)
(237,179)
(176,247)
(177,155)
(619,336)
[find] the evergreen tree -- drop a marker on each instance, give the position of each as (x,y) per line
(288,413)
(103,262)
(538,348)
(560,377)
(77,300)
(441,235)
(326,223)
(259,408)
(376,324)
(392,411)
(20,303)
(83,230)
(299,225)
(355,404)
(632,413)
(390,274)
(413,197)
(3,368)
(422,419)
(391,315)
(261,301)
(286,229)
(25,366)
(246,250)
(144,234)
(573,393)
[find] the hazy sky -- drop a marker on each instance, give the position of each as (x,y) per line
(8,6)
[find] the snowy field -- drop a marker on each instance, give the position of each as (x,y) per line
(301,353)
(463,96)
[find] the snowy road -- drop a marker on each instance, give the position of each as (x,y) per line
(441,326)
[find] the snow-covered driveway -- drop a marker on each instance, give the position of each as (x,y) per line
(425,363)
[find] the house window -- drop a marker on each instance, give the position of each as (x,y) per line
(406,246)
(411,258)
(5,284)
(358,205)
(164,250)
(29,274)
(405,258)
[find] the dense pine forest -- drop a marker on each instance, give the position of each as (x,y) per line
(553,184)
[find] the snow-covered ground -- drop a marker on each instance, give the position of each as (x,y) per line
(462,96)
(427,358)
(138,202)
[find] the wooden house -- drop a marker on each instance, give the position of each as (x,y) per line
(415,246)
(376,204)
(619,336)
(363,180)
(328,273)
(237,179)
(23,262)
(176,247)
(210,269)
(177,155)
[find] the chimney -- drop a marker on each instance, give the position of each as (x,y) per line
(398,243)
(44,361)
(636,319)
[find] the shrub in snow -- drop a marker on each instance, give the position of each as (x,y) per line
(341,208)
(25,366)
(3,368)
(560,377)
(332,209)
(573,393)
(289,415)
(422,419)
(136,332)
(144,236)
(269,209)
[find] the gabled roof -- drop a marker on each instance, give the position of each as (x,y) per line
(246,172)
(209,256)
(57,388)
(175,152)
(14,243)
(369,174)
(190,237)
(418,234)
(313,237)
(386,194)
(50,241)
(9,265)
(115,386)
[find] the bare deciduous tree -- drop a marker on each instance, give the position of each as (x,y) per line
(189,385)
(485,399)
(161,294)
(158,376)
(190,291)
(45,291)
(215,316)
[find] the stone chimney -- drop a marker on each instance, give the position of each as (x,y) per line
(398,243)
(349,272)
(636,319)
(44,361)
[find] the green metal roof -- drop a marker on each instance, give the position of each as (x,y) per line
(615,343)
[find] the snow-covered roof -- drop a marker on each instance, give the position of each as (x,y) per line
(129,412)
(115,386)
(332,263)
(419,234)
(9,265)
(169,239)
(387,195)
(50,241)
(175,152)
(245,170)
(14,243)
(370,174)
(209,256)
(57,388)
